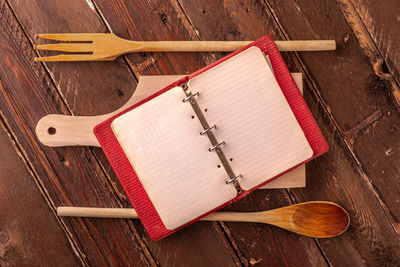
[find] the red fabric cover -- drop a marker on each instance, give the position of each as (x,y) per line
(127,176)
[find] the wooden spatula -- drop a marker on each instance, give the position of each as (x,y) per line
(319,219)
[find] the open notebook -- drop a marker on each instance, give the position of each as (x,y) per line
(209,139)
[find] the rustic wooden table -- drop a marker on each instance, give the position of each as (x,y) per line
(353,92)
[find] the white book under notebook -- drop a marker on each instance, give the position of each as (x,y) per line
(212,139)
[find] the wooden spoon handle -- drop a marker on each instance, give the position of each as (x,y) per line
(97,212)
(124,213)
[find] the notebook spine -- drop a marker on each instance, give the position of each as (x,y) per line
(216,146)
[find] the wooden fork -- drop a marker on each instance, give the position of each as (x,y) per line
(108,46)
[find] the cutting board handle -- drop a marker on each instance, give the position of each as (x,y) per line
(64,130)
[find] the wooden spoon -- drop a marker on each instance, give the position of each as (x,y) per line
(319,219)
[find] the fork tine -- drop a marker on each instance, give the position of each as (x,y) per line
(66,47)
(67,36)
(64,57)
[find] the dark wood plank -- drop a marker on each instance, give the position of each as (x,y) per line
(29,230)
(332,177)
(374,136)
(79,78)
(375,140)
(371,239)
(377,149)
(69,176)
(168,23)
(380,20)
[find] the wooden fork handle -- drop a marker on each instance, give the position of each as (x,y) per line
(225,46)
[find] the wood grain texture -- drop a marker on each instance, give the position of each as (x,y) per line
(380,20)
(336,177)
(68,176)
(23,233)
(349,91)
(375,141)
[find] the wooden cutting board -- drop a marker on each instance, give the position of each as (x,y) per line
(63,130)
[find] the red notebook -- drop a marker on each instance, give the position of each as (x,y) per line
(210,138)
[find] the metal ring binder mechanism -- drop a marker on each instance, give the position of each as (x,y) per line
(233,179)
(216,146)
(209,129)
(191,96)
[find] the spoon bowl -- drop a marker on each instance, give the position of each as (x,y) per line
(319,219)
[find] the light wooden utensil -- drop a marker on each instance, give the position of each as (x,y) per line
(319,219)
(65,130)
(108,46)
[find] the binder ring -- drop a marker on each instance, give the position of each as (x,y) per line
(216,146)
(190,97)
(209,129)
(233,179)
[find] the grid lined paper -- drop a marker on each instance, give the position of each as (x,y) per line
(171,159)
(262,135)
